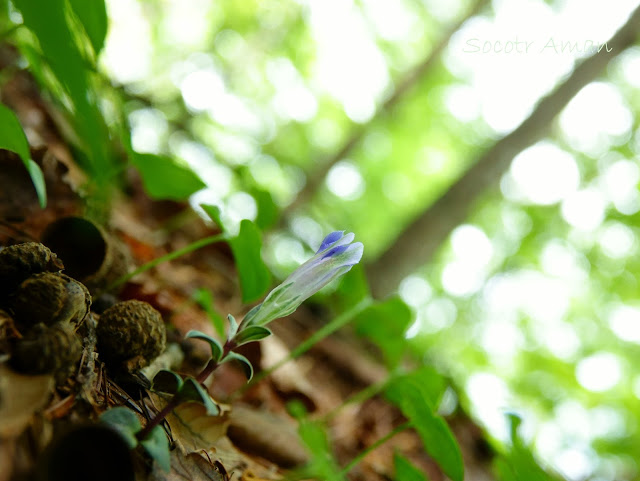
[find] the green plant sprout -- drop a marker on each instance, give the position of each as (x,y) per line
(335,257)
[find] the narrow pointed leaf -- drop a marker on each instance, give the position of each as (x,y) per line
(244,363)
(254,275)
(12,138)
(93,16)
(157,445)
(233,327)
(252,333)
(216,348)
(191,390)
(167,381)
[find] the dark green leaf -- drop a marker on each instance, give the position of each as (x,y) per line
(125,422)
(244,363)
(436,436)
(93,16)
(167,381)
(163,178)
(204,298)
(216,348)
(254,275)
(213,211)
(386,323)
(191,390)
(157,445)
(405,471)
(12,138)
(252,333)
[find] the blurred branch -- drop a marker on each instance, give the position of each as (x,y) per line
(417,244)
(411,78)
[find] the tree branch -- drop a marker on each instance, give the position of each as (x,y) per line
(417,244)
(317,176)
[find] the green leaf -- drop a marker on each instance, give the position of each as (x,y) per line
(216,348)
(406,471)
(163,178)
(385,323)
(191,390)
(213,211)
(252,333)
(254,275)
(125,422)
(12,138)
(167,381)
(426,379)
(204,298)
(436,436)
(233,327)
(93,17)
(267,209)
(48,22)
(157,445)
(244,363)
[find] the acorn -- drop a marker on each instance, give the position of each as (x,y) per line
(130,335)
(49,298)
(20,261)
(46,349)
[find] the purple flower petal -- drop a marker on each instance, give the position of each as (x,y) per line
(330,239)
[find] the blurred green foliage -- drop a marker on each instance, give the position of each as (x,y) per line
(238,91)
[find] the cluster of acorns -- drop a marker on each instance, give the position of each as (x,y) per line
(43,312)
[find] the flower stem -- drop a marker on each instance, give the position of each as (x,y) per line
(316,337)
(173,403)
(169,257)
(373,447)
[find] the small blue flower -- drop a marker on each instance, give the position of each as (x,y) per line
(335,257)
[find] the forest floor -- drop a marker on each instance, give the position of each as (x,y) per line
(254,438)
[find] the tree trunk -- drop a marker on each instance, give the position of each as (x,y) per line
(417,244)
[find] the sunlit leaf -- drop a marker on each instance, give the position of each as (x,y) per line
(12,138)
(425,378)
(405,471)
(157,445)
(267,209)
(252,333)
(124,421)
(167,381)
(233,327)
(93,16)
(216,348)
(163,178)
(254,275)
(243,361)
(191,390)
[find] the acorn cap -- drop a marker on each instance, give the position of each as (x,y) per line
(49,298)
(130,335)
(90,254)
(46,350)
(19,262)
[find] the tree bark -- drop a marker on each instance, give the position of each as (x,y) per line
(416,245)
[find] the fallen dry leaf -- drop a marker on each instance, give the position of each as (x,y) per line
(20,398)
